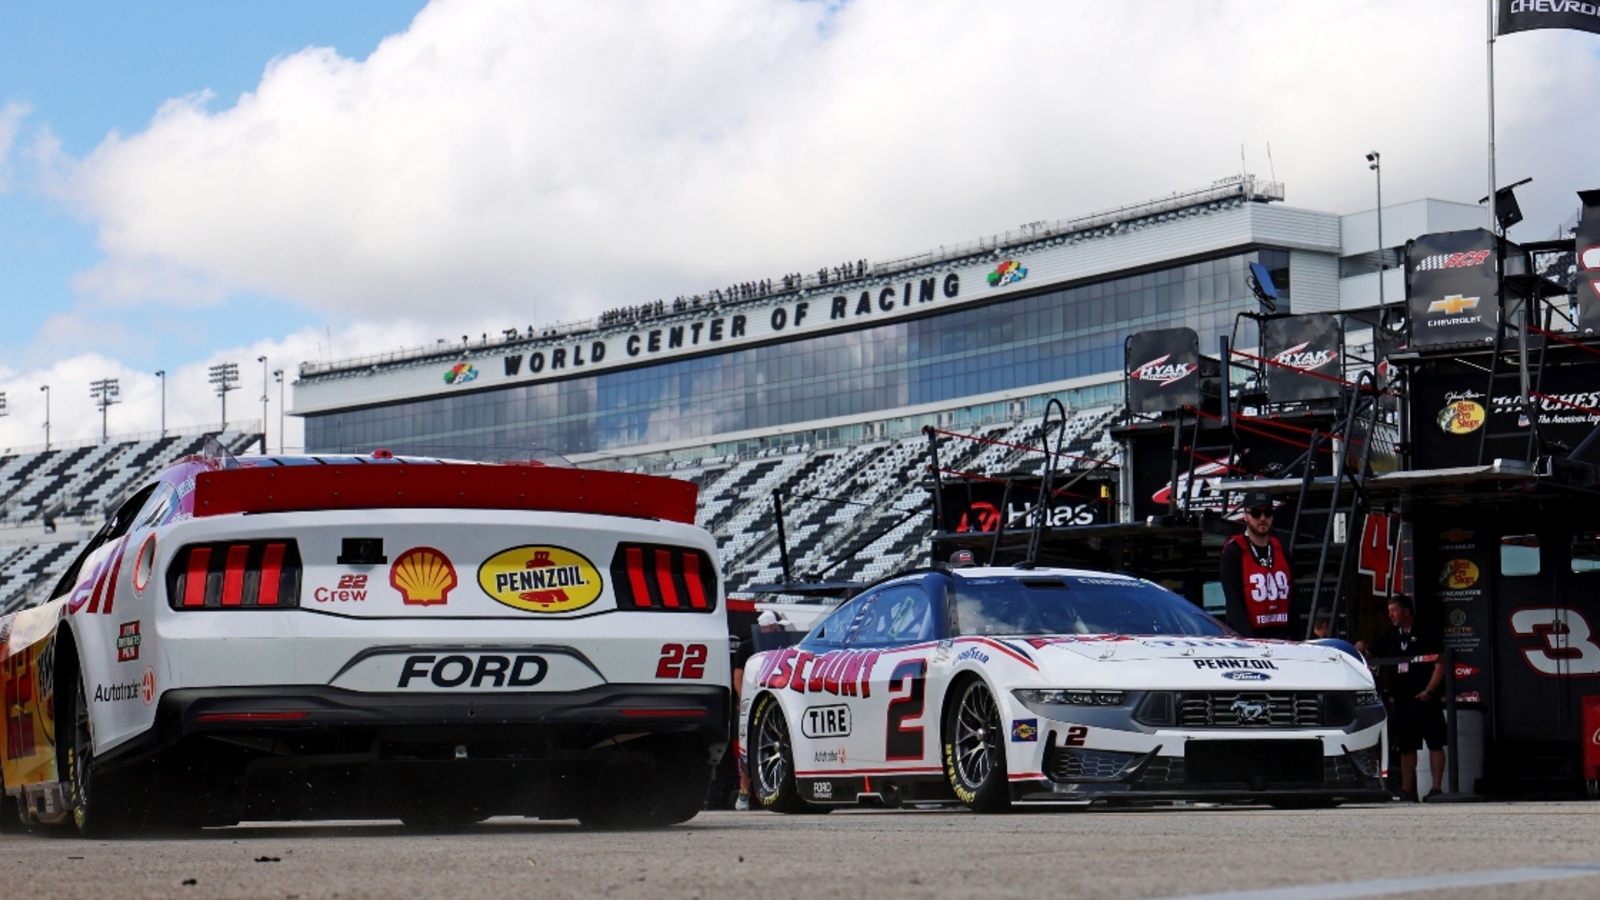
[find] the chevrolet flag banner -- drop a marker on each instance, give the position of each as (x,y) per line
(1529,15)
(1453,288)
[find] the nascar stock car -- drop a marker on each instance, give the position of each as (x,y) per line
(1002,686)
(316,637)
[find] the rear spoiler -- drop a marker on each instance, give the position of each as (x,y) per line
(442,486)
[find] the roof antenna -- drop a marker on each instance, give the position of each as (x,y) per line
(1244,169)
(1270,167)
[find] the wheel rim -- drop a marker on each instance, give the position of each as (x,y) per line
(772,751)
(82,750)
(977,732)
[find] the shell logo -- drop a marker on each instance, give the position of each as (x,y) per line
(1461,417)
(1458,574)
(423,576)
(541,579)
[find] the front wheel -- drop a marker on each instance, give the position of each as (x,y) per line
(772,760)
(975,750)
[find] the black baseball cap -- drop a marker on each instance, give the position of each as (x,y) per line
(1257,498)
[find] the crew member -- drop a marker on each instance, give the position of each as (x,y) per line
(1255,574)
(1416,714)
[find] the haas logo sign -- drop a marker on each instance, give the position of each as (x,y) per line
(1162,372)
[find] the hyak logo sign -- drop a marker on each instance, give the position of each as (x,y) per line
(1162,372)
(461,373)
(1008,272)
(1297,357)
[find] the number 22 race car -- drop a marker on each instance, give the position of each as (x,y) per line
(1000,686)
(352,637)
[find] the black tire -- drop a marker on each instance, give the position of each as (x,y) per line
(772,784)
(667,792)
(975,749)
(98,806)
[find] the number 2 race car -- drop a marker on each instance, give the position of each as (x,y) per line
(319,637)
(999,686)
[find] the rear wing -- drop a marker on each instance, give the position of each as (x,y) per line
(442,486)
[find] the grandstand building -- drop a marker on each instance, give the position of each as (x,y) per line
(819,385)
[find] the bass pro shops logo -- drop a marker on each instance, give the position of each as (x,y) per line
(1297,357)
(541,579)
(1162,372)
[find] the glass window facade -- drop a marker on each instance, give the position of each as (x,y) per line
(1031,340)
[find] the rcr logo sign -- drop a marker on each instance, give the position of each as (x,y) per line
(477,671)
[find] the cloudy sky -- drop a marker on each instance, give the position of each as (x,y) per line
(183,183)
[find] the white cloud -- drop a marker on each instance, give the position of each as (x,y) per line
(11,116)
(526,162)
(190,400)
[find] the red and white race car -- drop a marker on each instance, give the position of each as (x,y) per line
(318,637)
(1002,686)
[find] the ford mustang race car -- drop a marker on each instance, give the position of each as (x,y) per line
(317,637)
(1001,686)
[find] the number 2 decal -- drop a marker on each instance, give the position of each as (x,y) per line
(1077,736)
(678,661)
(906,742)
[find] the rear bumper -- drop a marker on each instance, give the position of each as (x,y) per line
(298,712)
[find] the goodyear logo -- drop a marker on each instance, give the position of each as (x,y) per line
(1458,574)
(1461,417)
(541,579)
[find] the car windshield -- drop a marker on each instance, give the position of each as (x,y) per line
(1075,605)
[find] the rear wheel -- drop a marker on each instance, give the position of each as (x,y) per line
(772,760)
(975,750)
(97,807)
(670,791)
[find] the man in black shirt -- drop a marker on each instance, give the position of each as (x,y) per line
(1416,716)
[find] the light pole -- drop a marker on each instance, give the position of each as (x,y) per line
(224,377)
(104,392)
(263,361)
(1376,165)
(162,374)
(46,389)
(278,374)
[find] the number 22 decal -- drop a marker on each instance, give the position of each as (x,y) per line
(903,742)
(678,661)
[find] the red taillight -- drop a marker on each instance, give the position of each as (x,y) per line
(242,574)
(663,578)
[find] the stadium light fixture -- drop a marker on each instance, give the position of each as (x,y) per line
(105,393)
(263,361)
(162,374)
(224,377)
(1375,163)
(278,374)
(46,389)
(3,410)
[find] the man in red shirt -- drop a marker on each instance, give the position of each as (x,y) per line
(1255,574)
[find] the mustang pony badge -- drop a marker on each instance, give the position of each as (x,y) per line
(541,579)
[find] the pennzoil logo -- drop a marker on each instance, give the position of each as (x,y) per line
(1458,574)
(1462,417)
(423,576)
(541,579)
(1162,372)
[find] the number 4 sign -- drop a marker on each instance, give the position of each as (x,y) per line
(1381,555)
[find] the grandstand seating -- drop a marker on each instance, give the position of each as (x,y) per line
(51,501)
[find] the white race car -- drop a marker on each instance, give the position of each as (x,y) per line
(1000,686)
(303,638)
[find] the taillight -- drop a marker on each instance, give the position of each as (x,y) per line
(262,574)
(659,577)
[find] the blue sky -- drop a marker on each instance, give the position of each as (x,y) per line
(185,183)
(87,69)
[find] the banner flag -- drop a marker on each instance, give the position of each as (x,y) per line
(1530,15)
(1587,284)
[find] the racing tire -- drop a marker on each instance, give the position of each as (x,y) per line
(99,808)
(772,761)
(667,793)
(975,749)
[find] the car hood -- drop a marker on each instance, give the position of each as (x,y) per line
(1180,662)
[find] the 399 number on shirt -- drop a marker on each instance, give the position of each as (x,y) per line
(1269,586)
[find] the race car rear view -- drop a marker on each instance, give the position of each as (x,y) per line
(352,637)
